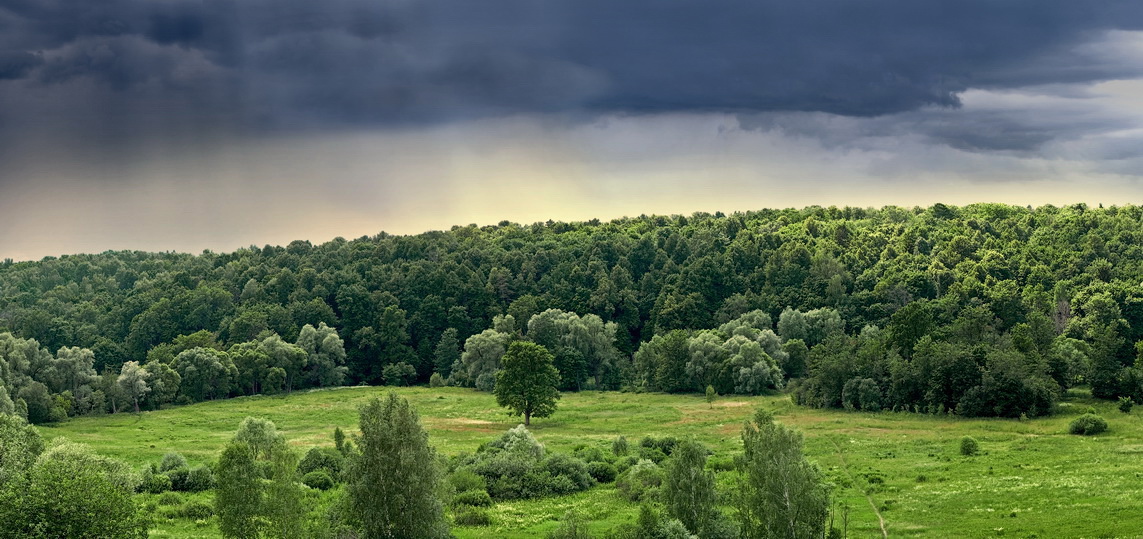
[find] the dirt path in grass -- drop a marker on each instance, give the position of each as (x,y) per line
(868,498)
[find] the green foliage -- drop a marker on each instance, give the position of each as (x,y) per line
(472,516)
(779,494)
(688,488)
(72,492)
(602,472)
(318,479)
(641,481)
(170,498)
(711,394)
(527,382)
(1125,404)
(393,482)
(172,460)
(464,479)
(969,446)
(399,374)
(325,459)
(282,505)
(199,479)
(619,447)
(20,446)
(154,483)
(197,510)
(571,526)
(1087,425)
(474,498)
(261,436)
(436,380)
(238,494)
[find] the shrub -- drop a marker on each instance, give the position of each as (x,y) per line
(474,517)
(1125,404)
(179,478)
(623,464)
(560,465)
(602,472)
(326,459)
(197,510)
(720,464)
(519,439)
(473,498)
(652,454)
(572,526)
(318,479)
(590,454)
(464,479)
(619,446)
(486,382)
(399,374)
(172,461)
(436,380)
(969,446)
(665,444)
(154,483)
(641,481)
(1087,425)
(199,479)
(170,498)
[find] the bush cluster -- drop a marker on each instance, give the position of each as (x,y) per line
(1087,425)
(515,466)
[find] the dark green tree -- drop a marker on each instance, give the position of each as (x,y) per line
(394,479)
(527,381)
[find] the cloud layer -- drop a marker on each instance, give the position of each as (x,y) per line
(187,124)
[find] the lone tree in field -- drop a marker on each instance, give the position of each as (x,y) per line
(780,493)
(527,381)
(394,480)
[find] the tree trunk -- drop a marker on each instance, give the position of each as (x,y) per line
(527,418)
(136,405)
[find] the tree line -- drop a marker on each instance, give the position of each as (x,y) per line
(986,309)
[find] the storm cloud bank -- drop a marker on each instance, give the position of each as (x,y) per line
(257,64)
(221,122)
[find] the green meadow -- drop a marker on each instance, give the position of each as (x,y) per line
(897,470)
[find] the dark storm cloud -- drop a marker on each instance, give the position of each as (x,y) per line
(381,61)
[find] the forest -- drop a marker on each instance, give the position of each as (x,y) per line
(980,311)
(983,310)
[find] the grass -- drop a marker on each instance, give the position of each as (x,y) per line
(1030,478)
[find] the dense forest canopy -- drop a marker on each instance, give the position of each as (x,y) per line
(987,309)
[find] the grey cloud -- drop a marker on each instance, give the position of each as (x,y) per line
(400,60)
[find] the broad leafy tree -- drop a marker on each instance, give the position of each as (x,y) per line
(527,382)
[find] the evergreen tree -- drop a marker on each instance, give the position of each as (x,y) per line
(447,352)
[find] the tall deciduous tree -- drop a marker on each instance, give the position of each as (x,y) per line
(133,379)
(326,355)
(780,494)
(394,478)
(238,492)
(527,381)
(689,490)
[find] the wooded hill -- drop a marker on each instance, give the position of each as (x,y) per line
(986,309)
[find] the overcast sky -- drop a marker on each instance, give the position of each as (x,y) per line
(214,124)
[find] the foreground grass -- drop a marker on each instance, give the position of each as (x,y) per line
(1031,479)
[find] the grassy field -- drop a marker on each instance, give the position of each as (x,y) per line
(1031,479)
